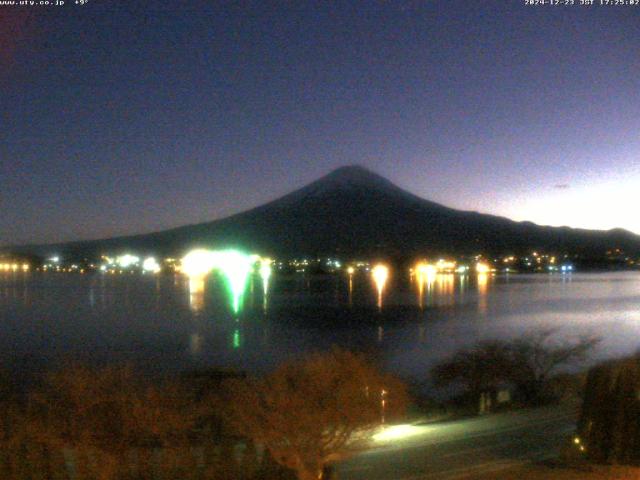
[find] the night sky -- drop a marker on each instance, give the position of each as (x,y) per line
(122,117)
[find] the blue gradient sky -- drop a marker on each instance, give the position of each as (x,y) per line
(126,117)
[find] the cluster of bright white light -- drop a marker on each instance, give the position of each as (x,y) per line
(198,262)
(333,263)
(150,265)
(127,260)
(234,265)
(424,270)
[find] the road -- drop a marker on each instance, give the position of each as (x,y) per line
(458,449)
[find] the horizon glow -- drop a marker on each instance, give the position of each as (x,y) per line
(601,205)
(449,119)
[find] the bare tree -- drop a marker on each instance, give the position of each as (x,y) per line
(527,362)
(480,369)
(312,412)
(537,356)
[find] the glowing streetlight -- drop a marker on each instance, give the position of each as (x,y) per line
(399,432)
(482,268)
(380,274)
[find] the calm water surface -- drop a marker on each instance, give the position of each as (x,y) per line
(165,323)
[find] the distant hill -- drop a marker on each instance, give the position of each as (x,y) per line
(353,211)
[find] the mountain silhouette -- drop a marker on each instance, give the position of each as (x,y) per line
(352,212)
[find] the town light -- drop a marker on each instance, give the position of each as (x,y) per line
(482,268)
(198,262)
(127,260)
(380,274)
(151,265)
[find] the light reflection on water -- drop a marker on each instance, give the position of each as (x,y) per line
(196,293)
(176,323)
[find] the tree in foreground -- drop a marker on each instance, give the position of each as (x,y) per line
(609,425)
(104,416)
(479,369)
(315,411)
(528,363)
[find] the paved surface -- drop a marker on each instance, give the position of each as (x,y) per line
(458,449)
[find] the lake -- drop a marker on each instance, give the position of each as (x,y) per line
(167,323)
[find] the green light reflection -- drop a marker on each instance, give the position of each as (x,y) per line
(236,267)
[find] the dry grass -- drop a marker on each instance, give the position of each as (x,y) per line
(564,473)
